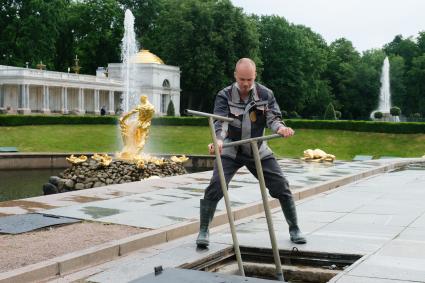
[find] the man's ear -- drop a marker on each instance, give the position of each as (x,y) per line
(234,75)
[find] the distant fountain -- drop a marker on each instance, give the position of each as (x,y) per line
(129,49)
(384,105)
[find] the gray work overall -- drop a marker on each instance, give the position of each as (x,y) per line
(250,119)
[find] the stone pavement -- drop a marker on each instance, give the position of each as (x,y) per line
(359,218)
(381,218)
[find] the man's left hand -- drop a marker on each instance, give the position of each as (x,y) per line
(285,132)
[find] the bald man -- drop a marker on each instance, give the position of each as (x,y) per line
(253,107)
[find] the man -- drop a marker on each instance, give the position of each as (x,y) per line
(252,106)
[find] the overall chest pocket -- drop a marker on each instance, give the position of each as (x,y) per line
(260,117)
(237,115)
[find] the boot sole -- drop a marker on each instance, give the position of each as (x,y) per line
(299,241)
(202,244)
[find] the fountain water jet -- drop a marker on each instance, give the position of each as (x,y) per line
(384,105)
(129,49)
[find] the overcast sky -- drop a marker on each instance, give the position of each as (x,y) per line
(367,23)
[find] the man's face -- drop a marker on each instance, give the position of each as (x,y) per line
(245,77)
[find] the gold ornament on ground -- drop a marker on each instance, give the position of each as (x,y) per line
(317,155)
(103,159)
(76,160)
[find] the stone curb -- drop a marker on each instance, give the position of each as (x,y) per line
(78,260)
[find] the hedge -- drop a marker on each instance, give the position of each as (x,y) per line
(20,120)
(359,126)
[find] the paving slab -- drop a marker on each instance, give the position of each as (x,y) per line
(398,260)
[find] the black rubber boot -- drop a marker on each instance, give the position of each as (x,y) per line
(207,211)
(290,212)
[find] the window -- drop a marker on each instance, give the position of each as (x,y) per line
(163,103)
(166,84)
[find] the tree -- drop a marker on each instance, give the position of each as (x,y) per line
(415,102)
(205,38)
(294,59)
(421,42)
(398,82)
(29,31)
(405,48)
(146,14)
(341,70)
(97,39)
(330,113)
(170,109)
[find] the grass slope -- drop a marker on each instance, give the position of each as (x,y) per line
(194,140)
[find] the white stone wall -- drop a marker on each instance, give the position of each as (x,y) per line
(150,81)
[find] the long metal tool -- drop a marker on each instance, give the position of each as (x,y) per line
(260,175)
(211,118)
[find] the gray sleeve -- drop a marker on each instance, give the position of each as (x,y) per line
(221,108)
(273,114)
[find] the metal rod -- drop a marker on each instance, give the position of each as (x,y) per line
(226,197)
(260,175)
(203,114)
(262,138)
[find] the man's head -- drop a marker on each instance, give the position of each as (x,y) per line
(245,74)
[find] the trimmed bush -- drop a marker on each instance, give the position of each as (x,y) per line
(360,126)
(330,112)
(378,115)
(395,111)
(20,120)
(170,109)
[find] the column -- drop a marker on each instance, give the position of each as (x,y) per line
(46,100)
(2,95)
(64,100)
(81,109)
(111,108)
(96,102)
(23,99)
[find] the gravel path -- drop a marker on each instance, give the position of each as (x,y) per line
(32,247)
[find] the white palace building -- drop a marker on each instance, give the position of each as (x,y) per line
(27,91)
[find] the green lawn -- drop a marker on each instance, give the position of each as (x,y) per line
(193,140)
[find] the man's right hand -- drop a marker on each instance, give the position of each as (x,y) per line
(211,147)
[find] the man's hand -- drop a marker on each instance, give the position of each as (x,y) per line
(211,147)
(285,132)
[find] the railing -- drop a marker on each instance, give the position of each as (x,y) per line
(15,71)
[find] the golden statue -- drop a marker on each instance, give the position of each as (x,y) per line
(135,132)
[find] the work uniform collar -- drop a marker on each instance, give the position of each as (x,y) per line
(236,97)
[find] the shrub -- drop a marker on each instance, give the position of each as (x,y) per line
(378,115)
(395,111)
(294,114)
(330,113)
(284,114)
(170,109)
